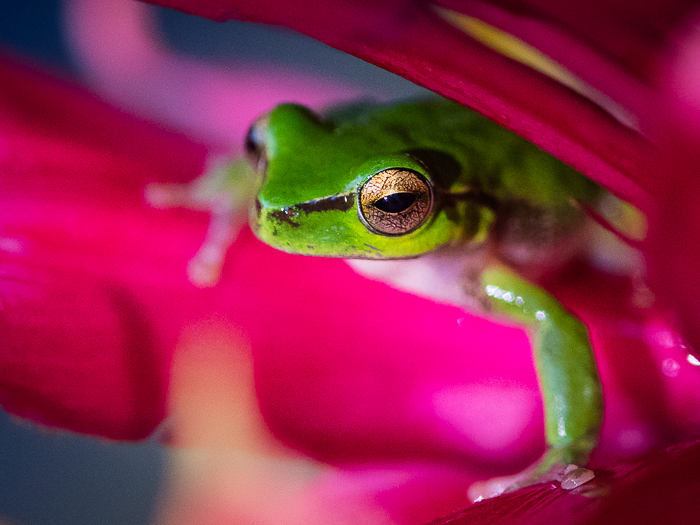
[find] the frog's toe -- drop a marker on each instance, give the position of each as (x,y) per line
(204,269)
(167,195)
(203,275)
(568,476)
(575,476)
(490,488)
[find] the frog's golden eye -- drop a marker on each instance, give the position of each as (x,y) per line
(395,201)
(255,147)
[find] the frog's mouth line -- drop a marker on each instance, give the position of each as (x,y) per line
(340,202)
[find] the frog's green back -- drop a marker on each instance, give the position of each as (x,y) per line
(501,163)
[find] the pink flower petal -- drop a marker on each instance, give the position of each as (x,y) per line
(85,344)
(116,45)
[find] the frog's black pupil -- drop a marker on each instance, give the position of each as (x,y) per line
(396,202)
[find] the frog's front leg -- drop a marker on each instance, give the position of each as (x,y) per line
(568,380)
(225,190)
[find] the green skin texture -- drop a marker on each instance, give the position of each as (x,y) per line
(309,158)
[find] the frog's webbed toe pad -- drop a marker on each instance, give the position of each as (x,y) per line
(204,269)
(575,476)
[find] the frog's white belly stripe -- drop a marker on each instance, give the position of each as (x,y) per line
(439,275)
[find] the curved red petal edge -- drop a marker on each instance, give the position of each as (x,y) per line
(631,35)
(85,332)
(409,39)
(660,487)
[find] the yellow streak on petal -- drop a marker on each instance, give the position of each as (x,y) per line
(518,50)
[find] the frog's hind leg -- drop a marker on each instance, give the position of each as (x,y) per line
(568,379)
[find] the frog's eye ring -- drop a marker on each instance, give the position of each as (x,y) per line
(395,201)
(255,147)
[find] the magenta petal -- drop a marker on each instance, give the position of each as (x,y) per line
(351,370)
(84,344)
(631,34)
(674,240)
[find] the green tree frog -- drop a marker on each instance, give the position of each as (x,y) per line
(437,200)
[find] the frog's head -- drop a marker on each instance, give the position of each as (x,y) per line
(347,191)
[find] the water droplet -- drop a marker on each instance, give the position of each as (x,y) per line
(11,245)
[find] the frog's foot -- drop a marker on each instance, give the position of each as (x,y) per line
(550,467)
(225,189)
(204,269)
